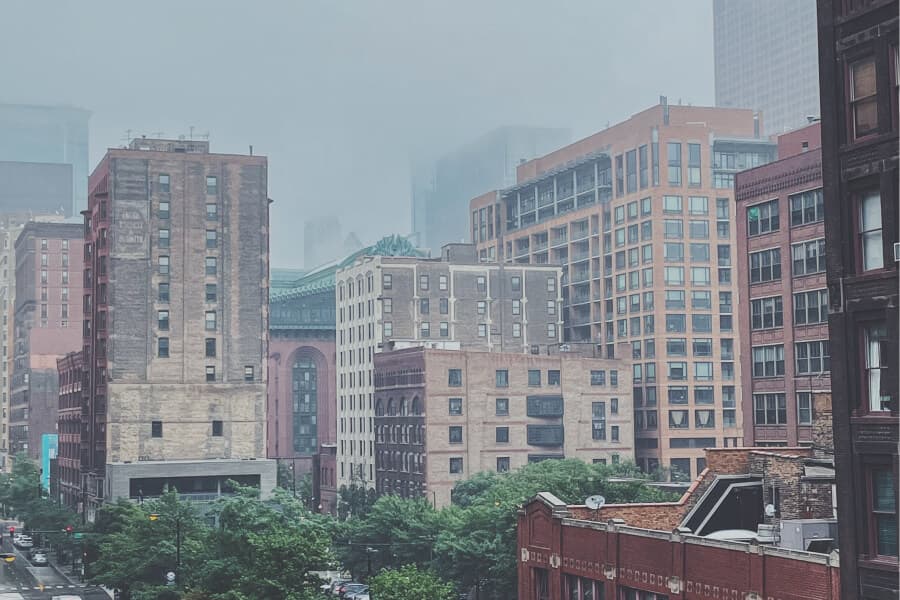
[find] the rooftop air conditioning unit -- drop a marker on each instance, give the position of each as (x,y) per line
(765,533)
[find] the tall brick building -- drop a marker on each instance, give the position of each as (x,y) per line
(454,298)
(46,326)
(175,322)
(442,415)
(70,369)
(858,75)
(640,217)
(783,321)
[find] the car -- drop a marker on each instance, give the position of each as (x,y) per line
(24,542)
(356,594)
(363,596)
(336,586)
(349,589)
(39,559)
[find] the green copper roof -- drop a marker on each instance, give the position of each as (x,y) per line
(321,279)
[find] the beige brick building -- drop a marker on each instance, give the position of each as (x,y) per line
(176,322)
(443,415)
(453,298)
(641,218)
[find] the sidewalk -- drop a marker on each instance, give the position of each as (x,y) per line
(74,577)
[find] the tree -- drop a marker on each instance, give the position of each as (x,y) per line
(409,582)
(355,500)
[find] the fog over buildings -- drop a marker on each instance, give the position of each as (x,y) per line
(341,96)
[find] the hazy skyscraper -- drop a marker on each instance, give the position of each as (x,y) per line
(766,58)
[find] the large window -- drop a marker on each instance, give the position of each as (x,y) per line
(768,361)
(678,419)
(305,405)
(766,313)
(863,98)
(883,511)
(812,357)
(674,156)
(765,265)
(598,420)
(672,204)
(804,408)
(807,207)
(769,409)
(694,165)
(808,257)
(870,238)
(811,307)
(875,338)
(763,218)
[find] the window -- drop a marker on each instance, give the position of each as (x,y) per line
(678,419)
(701,299)
(700,275)
(673,275)
(807,207)
(445,329)
(704,395)
(501,407)
(163,183)
(863,98)
(501,435)
(517,307)
(534,377)
(765,265)
(703,371)
(553,377)
(156,429)
(210,373)
(162,320)
(210,320)
(701,323)
(694,165)
(676,347)
(210,347)
(163,212)
(702,347)
(454,377)
(676,323)
(551,331)
(387,281)
(444,306)
(762,218)
(673,229)
(210,292)
(455,432)
(162,347)
(163,294)
(875,339)
(598,377)
(442,283)
(766,313)
(424,306)
(456,465)
(211,265)
(482,330)
(672,204)
(211,238)
(677,371)
(551,284)
(811,307)
(700,252)
(674,299)
(884,511)
(503,464)
(163,263)
(423,282)
(501,378)
(769,409)
(704,419)
(212,185)
(551,307)
(249,373)
(870,237)
(768,361)
(673,251)
(729,418)
(673,150)
(598,420)
(698,205)
(481,284)
(217,428)
(212,211)
(699,230)
(804,408)
(808,257)
(515,283)
(425,329)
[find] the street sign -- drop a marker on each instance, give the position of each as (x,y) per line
(170,578)
(78,536)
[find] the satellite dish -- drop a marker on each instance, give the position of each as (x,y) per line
(595,502)
(770,510)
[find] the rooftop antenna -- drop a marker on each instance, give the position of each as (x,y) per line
(127,138)
(191,128)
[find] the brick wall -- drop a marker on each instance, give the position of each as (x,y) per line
(823,432)
(784,486)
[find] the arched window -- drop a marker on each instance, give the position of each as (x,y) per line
(402,407)
(391,408)
(416,406)
(379,408)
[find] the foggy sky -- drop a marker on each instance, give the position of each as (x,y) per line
(339,95)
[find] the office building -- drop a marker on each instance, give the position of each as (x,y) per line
(640,216)
(48,134)
(783,321)
(454,298)
(444,414)
(47,325)
(30,189)
(766,59)
(70,373)
(441,189)
(175,323)
(858,76)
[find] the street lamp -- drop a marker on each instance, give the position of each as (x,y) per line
(369,552)
(155,517)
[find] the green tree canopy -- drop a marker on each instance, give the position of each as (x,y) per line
(410,582)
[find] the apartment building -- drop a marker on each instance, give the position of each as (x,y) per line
(640,217)
(858,74)
(442,415)
(783,323)
(175,333)
(70,369)
(46,325)
(453,298)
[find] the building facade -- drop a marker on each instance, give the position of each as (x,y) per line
(442,415)
(640,217)
(453,298)
(175,333)
(46,326)
(440,189)
(783,321)
(858,76)
(766,59)
(48,134)
(70,369)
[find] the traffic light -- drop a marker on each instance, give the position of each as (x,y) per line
(69,529)
(12,530)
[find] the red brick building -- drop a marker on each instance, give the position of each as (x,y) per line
(783,298)
(70,369)
(688,549)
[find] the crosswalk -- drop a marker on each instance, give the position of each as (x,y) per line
(20,588)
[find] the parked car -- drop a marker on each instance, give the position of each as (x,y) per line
(24,542)
(357,594)
(349,589)
(39,558)
(363,596)
(334,585)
